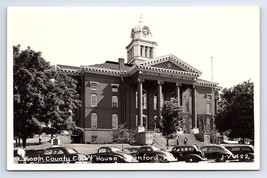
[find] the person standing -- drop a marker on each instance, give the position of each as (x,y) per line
(40,139)
(21,153)
(185,140)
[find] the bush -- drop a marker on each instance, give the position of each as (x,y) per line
(123,135)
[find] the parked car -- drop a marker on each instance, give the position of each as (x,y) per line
(188,153)
(243,153)
(57,154)
(110,155)
(217,152)
(153,154)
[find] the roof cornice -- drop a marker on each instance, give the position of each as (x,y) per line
(173,58)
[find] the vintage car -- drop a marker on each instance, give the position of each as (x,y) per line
(241,152)
(217,152)
(57,154)
(110,155)
(153,154)
(188,153)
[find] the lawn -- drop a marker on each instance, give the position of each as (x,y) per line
(33,146)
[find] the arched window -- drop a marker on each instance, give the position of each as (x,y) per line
(114,121)
(93,120)
(114,101)
(144,99)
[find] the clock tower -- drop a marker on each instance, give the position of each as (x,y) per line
(141,47)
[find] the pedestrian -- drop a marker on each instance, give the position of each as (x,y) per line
(21,153)
(185,141)
(40,139)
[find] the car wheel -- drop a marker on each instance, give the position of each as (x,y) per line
(220,158)
(159,159)
(248,158)
(191,160)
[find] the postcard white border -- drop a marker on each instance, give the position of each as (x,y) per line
(130,166)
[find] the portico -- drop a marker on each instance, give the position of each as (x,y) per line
(160,89)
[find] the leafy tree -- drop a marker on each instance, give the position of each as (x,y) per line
(123,135)
(236,111)
(172,119)
(44,98)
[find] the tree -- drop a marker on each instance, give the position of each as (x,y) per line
(236,111)
(172,119)
(123,135)
(44,98)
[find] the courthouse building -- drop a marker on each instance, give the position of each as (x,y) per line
(132,91)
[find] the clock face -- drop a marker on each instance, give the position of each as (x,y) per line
(145,30)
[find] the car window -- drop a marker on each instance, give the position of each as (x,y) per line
(102,150)
(204,149)
(116,150)
(246,149)
(148,149)
(57,151)
(71,151)
(190,149)
(212,149)
(185,149)
(141,149)
(48,152)
(235,149)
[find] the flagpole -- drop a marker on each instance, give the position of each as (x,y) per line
(212,74)
(212,93)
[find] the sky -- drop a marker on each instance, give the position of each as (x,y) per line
(86,36)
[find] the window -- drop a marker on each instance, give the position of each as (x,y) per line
(155,122)
(114,87)
(150,53)
(114,101)
(144,99)
(93,120)
(114,121)
(93,85)
(94,139)
(155,101)
(208,108)
(145,121)
(93,100)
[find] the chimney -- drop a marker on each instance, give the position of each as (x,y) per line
(121,64)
